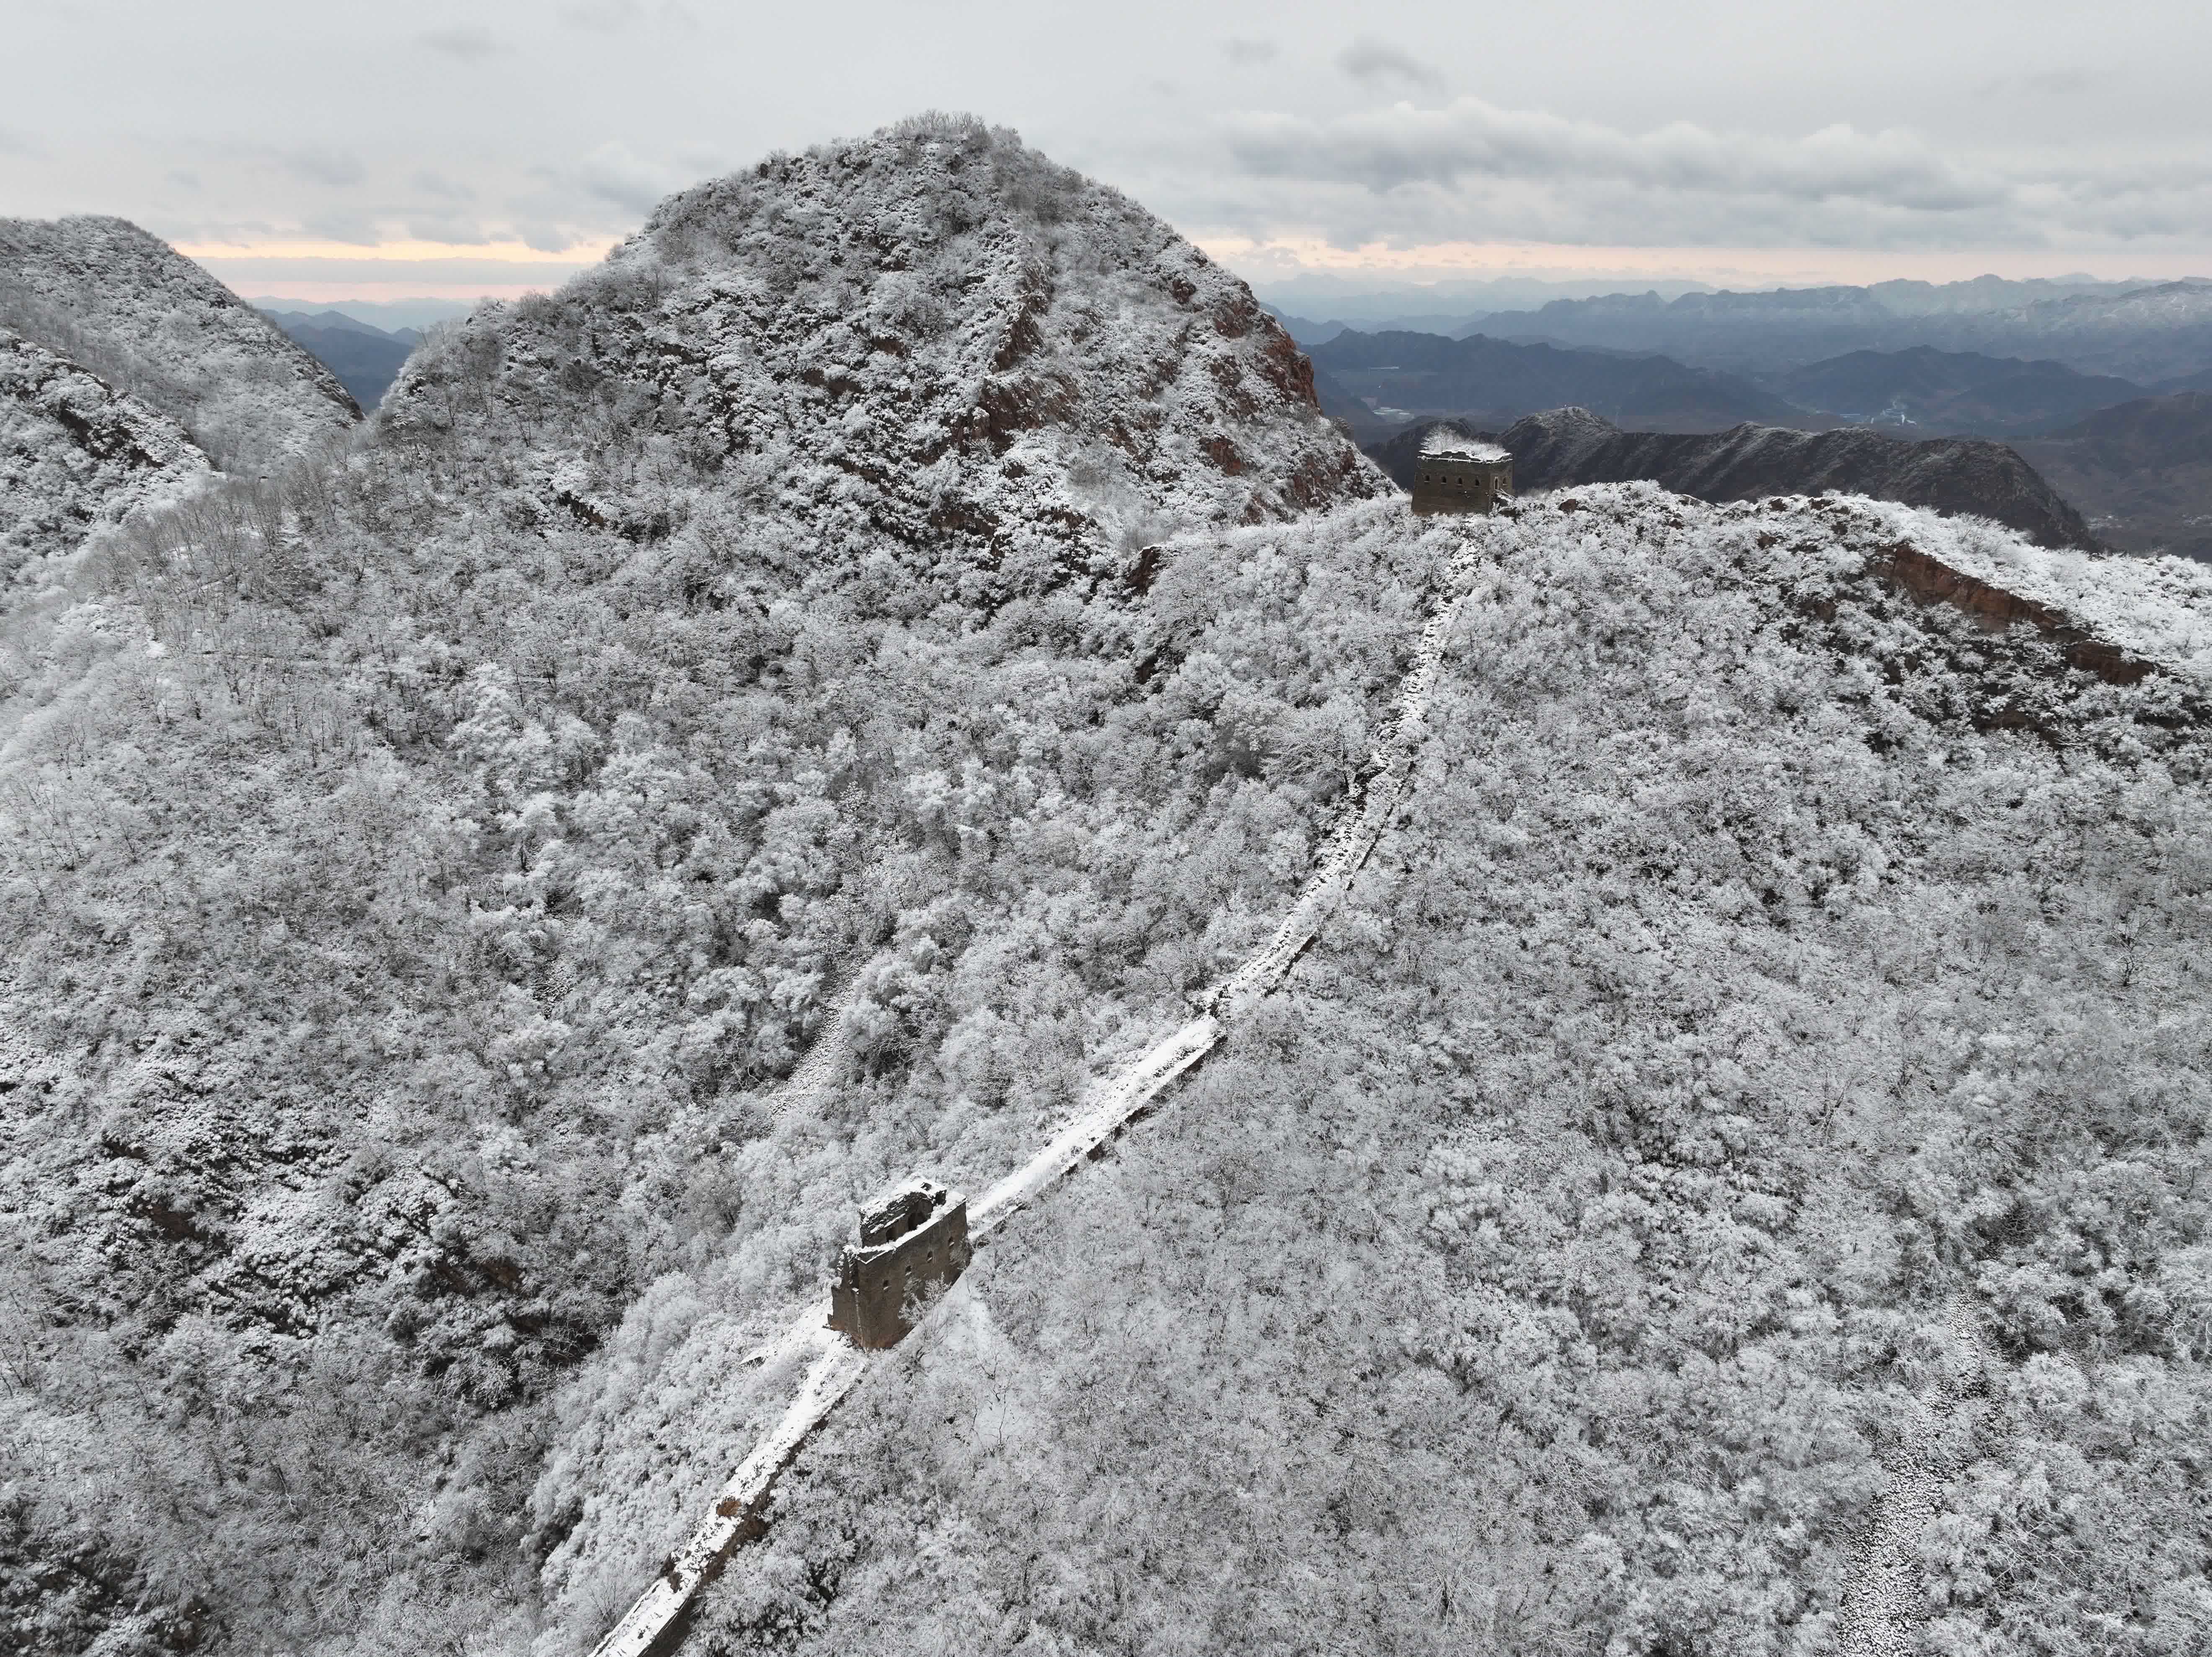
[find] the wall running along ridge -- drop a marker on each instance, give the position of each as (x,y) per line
(834,1366)
(653,1625)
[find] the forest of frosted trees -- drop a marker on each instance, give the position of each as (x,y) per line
(907,601)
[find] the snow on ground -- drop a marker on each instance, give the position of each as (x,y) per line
(2160,608)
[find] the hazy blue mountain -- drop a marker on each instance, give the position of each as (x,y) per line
(1951,391)
(1431,374)
(364,358)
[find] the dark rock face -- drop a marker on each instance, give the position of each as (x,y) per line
(1567,447)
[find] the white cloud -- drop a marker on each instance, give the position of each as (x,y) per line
(1248,54)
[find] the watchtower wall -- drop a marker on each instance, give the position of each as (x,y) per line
(915,1237)
(1462,482)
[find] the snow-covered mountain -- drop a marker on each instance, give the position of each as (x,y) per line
(75,454)
(148,321)
(953,346)
(788,711)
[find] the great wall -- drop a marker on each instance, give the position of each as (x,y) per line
(1877,1616)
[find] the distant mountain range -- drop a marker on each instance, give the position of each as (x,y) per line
(1950,391)
(2146,334)
(1381,379)
(365,358)
(1564,448)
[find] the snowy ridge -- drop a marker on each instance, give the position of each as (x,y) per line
(2157,608)
(149,320)
(836,1365)
(76,454)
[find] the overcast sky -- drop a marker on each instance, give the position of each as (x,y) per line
(416,146)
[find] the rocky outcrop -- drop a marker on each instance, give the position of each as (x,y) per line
(148,321)
(76,453)
(1567,447)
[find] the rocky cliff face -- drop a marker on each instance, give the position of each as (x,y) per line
(76,454)
(136,313)
(1567,447)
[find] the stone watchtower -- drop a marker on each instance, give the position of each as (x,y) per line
(913,1237)
(1460,474)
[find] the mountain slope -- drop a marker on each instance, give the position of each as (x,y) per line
(1481,375)
(1755,1021)
(1569,447)
(2142,472)
(1004,369)
(150,322)
(787,712)
(75,454)
(755,649)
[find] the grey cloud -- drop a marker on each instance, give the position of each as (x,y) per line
(615,16)
(467,42)
(1370,60)
(611,173)
(1385,149)
(2050,83)
(335,169)
(1245,53)
(436,183)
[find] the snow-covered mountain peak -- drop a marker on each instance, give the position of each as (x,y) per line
(933,334)
(148,320)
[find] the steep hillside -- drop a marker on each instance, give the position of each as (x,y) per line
(754,650)
(150,322)
(75,454)
(1569,447)
(1951,391)
(1768,1062)
(2142,472)
(896,343)
(1480,376)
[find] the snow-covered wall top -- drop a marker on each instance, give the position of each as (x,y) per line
(933,336)
(1443,439)
(147,319)
(76,454)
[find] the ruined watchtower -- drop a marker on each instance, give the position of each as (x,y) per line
(913,1237)
(1460,474)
